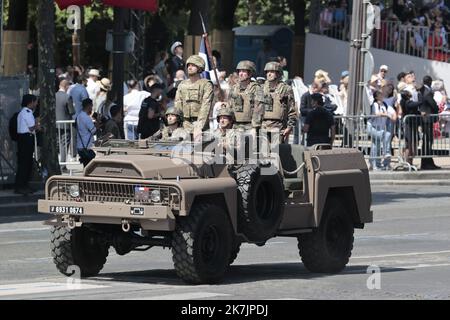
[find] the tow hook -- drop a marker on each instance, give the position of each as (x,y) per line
(125,226)
(72,223)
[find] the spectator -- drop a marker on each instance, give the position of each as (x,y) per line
(376,128)
(319,124)
(410,107)
(78,93)
(427,108)
(93,87)
(283,62)
(177,62)
(264,56)
(436,44)
(105,87)
(306,104)
(86,130)
(64,112)
(112,126)
(132,103)
(161,68)
(410,80)
(379,80)
(150,121)
(27,125)
(321,76)
(330,103)
(326,19)
(339,18)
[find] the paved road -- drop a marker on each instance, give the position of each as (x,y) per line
(409,241)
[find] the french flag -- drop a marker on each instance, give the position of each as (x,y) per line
(204,54)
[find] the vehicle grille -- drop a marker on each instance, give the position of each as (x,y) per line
(115,192)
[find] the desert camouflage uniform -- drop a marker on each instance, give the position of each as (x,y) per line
(195,99)
(248,105)
(280,112)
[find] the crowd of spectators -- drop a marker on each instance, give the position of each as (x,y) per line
(418,28)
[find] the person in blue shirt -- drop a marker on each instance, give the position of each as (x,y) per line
(78,93)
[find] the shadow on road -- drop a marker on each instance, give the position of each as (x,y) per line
(388,197)
(238,274)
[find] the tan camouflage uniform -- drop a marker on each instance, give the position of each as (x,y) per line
(195,99)
(247,103)
(280,112)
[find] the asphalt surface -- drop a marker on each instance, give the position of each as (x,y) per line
(409,241)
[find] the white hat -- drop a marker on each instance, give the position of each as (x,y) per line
(174,46)
(105,84)
(94,72)
(384,67)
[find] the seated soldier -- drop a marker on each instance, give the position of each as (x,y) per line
(174,130)
(226,135)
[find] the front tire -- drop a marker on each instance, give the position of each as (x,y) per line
(78,247)
(202,244)
(328,248)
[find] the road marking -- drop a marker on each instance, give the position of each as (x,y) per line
(402,254)
(43,287)
(23,242)
(423,265)
(24,230)
(393,236)
(184,296)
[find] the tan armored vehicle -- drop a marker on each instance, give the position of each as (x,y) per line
(137,195)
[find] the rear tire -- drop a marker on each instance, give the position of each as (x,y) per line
(235,251)
(328,248)
(78,247)
(201,244)
(261,203)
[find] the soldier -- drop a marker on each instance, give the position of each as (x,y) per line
(174,130)
(228,137)
(194,98)
(247,98)
(280,114)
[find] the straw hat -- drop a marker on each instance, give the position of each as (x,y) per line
(105,84)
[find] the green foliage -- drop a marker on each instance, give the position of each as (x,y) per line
(265,12)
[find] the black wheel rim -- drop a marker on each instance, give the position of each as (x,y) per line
(210,244)
(337,236)
(264,200)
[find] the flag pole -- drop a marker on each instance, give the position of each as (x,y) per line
(210,57)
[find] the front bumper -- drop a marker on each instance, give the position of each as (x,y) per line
(159,218)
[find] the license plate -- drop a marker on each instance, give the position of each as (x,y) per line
(66,210)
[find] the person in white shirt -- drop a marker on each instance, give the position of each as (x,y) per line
(132,103)
(26,126)
(376,128)
(93,87)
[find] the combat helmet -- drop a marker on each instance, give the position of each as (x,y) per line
(226,110)
(273,66)
(196,60)
(177,112)
(247,65)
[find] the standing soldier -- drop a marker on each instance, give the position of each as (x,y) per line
(280,115)
(247,98)
(194,97)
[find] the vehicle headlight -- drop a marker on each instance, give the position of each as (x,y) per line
(74,190)
(155,196)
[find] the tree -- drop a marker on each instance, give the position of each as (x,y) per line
(46,35)
(17,15)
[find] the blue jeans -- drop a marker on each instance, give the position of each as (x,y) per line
(380,138)
(131,132)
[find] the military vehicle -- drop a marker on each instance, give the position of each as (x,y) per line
(137,195)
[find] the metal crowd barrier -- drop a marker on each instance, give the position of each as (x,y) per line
(425,137)
(392,145)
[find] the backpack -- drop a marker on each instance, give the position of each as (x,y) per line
(13,127)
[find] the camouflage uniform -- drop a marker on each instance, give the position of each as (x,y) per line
(247,103)
(178,134)
(195,99)
(229,137)
(280,112)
